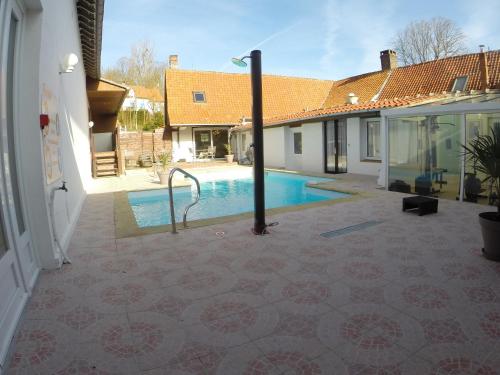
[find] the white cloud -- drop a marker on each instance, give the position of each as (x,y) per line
(356,33)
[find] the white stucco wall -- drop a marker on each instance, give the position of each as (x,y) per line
(355,163)
(184,146)
(274,147)
(49,35)
(313,147)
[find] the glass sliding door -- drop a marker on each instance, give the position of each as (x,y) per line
(475,189)
(424,155)
(336,146)
(202,141)
(219,141)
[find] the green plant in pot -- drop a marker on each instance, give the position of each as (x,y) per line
(165,158)
(229,153)
(484,153)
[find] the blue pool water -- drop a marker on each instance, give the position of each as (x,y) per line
(226,197)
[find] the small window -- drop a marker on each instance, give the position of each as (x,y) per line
(459,84)
(373,139)
(199,97)
(297,143)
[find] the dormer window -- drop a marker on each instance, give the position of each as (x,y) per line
(459,84)
(199,97)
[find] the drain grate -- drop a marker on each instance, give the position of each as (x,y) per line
(350,229)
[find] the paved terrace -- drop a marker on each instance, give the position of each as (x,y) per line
(411,295)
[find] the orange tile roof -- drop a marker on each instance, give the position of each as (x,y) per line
(228,96)
(147,93)
(438,76)
(347,108)
(365,86)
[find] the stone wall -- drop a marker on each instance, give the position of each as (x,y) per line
(135,144)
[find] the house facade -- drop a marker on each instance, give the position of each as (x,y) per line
(50,48)
(348,134)
(201,108)
(143,98)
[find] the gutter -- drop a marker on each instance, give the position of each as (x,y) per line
(321,117)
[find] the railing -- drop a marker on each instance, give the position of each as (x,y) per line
(171,196)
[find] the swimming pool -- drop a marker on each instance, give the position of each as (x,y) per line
(226,197)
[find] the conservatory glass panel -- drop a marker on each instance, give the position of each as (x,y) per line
(424,155)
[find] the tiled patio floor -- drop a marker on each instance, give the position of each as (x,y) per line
(409,296)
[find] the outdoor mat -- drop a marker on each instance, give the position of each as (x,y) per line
(350,229)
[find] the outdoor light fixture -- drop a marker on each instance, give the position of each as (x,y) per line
(68,64)
(258,139)
(91,124)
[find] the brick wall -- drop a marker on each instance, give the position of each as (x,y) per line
(134,144)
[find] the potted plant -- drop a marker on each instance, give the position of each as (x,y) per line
(229,153)
(163,173)
(484,153)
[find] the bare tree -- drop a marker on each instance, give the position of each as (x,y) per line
(427,40)
(140,68)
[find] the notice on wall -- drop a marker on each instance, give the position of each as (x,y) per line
(51,137)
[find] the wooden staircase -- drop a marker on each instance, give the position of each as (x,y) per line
(105,164)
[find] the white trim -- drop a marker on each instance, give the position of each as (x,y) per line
(450,108)
(463,129)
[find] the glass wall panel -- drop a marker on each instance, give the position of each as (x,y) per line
(475,190)
(424,155)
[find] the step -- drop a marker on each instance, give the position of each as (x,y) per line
(106,154)
(106,160)
(106,167)
(106,173)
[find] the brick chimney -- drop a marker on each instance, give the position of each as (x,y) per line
(173,61)
(388,59)
(483,68)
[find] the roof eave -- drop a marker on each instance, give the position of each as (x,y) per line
(90,16)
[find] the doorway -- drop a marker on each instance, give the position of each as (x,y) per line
(336,146)
(17,261)
(207,139)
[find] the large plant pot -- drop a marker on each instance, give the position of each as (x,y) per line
(229,158)
(163,177)
(490,228)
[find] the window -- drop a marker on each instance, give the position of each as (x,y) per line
(372,139)
(199,97)
(459,84)
(297,143)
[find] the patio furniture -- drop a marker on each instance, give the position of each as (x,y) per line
(211,152)
(400,186)
(424,205)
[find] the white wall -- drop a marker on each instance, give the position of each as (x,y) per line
(55,30)
(313,154)
(355,163)
(184,148)
(293,161)
(103,142)
(274,147)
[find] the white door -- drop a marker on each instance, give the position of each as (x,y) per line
(17,263)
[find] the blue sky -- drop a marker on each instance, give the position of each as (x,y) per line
(327,39)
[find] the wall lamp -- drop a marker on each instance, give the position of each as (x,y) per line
(68,64)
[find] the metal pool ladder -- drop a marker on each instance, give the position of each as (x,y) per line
(171,196)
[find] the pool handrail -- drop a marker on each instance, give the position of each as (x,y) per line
(171,196)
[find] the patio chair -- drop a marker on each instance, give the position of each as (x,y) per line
(211,152)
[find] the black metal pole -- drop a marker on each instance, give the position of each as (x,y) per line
(258,144)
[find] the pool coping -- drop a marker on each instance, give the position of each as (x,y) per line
(126,225)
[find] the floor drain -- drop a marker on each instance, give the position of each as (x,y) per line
(350,229)
(220,234)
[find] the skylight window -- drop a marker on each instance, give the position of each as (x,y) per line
(459,84)
(199,97)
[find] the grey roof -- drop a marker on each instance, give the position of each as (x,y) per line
(90,15)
